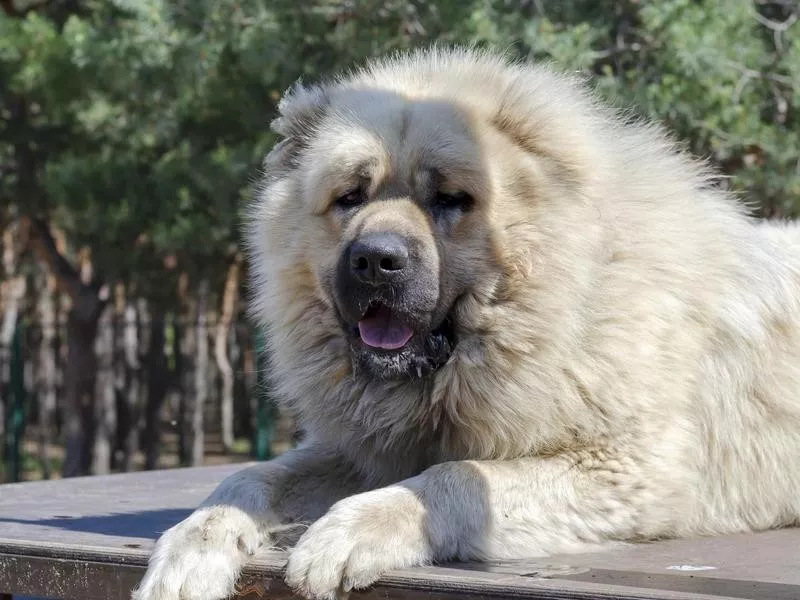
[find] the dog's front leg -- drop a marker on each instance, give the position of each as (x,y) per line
(201,557)
(465,510)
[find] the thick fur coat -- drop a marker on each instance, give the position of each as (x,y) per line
(605,346)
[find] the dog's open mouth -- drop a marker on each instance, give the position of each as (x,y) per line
(382,328)
(388,344)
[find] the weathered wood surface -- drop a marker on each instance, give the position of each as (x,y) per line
(89,538)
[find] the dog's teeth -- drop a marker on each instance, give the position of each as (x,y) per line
(419,372)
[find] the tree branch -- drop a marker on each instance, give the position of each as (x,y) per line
(87,301)
(8,8)
(12,11)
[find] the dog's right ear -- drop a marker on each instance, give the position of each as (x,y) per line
(299,112)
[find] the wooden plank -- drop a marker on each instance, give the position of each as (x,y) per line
(72,576)
(90,538)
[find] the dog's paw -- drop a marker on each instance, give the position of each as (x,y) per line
(200,558)
(358,540)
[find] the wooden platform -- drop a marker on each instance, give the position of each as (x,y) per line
(89,538)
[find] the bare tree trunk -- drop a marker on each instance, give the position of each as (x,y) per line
(62,360)
(4,376)
(157,383)
(200,374)
(230,299)
(88,300)
(79,414)
(185,328)
(15,238)
(213,427)
(105,393)
(241,408)
(46,379)
(13,387)
(130,380)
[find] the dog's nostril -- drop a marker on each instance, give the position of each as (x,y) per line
(387,264)
(361,263)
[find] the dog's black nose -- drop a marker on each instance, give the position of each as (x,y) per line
(379,258)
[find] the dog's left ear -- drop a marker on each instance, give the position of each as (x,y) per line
(299,112)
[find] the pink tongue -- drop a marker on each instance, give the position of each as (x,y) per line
(383,330)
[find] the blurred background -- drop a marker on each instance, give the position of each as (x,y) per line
(131,132)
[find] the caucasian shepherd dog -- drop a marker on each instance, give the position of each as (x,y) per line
(511,323)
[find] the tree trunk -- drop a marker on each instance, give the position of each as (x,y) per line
(242,409)
(15,238)
(230,300)
(211,412)
(79,417)
(129,375)
(200,375)
(88,300)
(13,384)
(157,384)
(186,331)
(46,377)
(105,393)
(4,372)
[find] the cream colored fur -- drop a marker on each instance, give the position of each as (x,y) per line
(627,367)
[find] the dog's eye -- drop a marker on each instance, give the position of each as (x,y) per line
(350,199)
(453,200)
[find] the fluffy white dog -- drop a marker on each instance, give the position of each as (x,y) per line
(511,323)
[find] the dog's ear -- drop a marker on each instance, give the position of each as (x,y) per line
(299,112)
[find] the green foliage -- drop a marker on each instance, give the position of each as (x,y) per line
(723,75)
(139,125)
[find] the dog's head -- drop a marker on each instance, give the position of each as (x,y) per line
(388,204)
(398,192)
